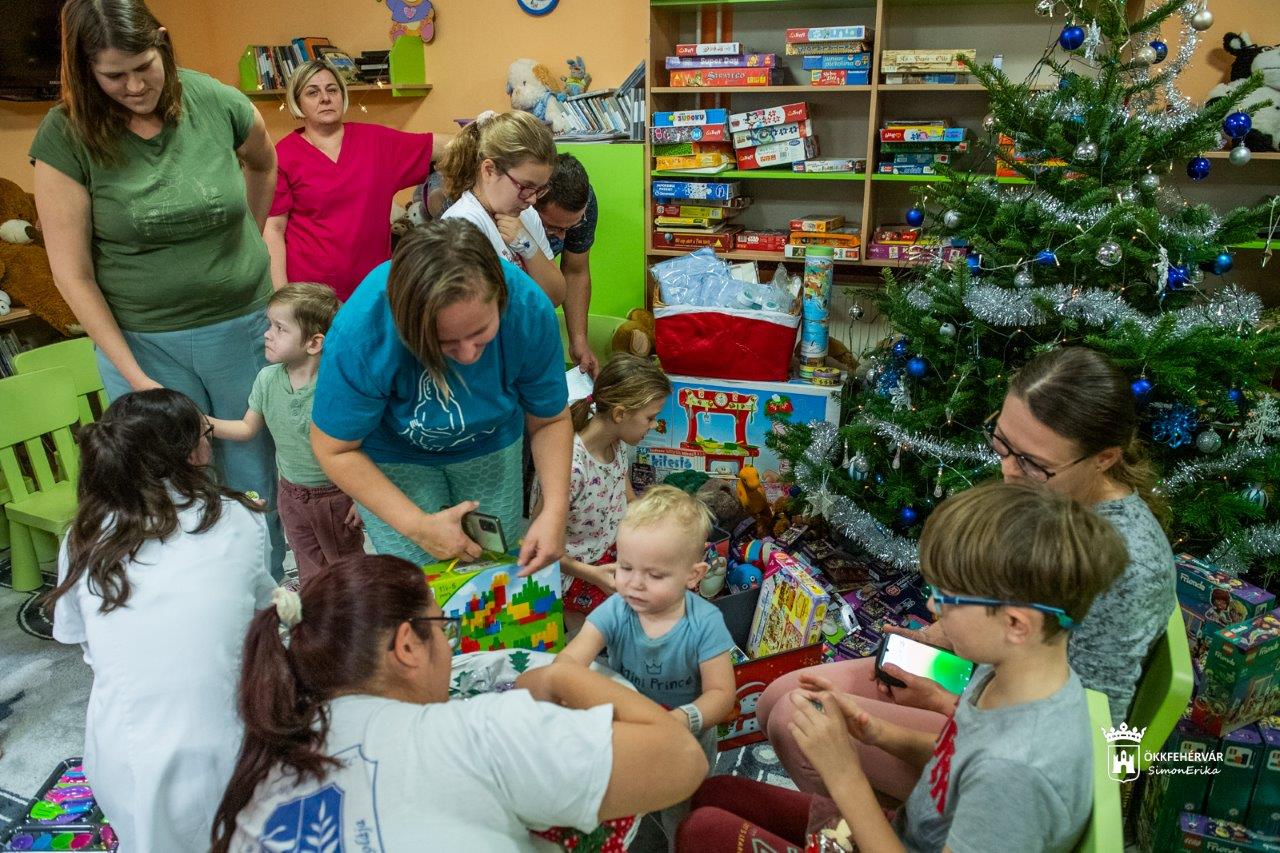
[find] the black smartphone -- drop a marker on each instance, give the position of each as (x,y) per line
(485,531)
(951,671)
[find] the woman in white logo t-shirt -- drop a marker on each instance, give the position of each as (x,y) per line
(351,744)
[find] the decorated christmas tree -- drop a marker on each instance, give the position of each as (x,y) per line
(1088,245)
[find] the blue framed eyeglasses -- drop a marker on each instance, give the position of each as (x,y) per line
(941,599)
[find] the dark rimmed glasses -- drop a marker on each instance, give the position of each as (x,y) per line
(941,599)
(1034,470)
(524,190)
(451,625)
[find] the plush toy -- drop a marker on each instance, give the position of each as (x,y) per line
(751,496)
(24,264)
(721,498)
(744,576)
(534,90)
(713,581)
(577,80)
(1252,59)
(638,335)
(6,301)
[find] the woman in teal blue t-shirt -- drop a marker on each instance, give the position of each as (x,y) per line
(432,373)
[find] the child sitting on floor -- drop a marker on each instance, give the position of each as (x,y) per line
(661,636)
(624,405)
(1012,569)
(320,522)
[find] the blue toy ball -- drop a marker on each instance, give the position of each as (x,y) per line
(1046,258)
(908,516)
(1198,168)
(1141,387)
(1236,396)
(1223,263)
(975,264)
(1161,49)
(901,347)
(1237,125)
(1179,275)
(743,576)
(915,217)
(917,367)
(1072,37)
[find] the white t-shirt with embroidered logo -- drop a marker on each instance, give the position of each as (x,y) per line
(468,207)
(474,775)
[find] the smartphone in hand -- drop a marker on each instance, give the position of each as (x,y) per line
(949,670)
(485,531)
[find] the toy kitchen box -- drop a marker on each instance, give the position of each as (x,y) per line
(718,426)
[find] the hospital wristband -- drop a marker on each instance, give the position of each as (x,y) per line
(695,717)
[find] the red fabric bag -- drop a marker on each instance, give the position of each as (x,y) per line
(726,343)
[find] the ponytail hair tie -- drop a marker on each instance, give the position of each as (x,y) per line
(485,116)
(288,606)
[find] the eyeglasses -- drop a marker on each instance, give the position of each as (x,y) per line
(941,598)
(1033,470)
(451,625)
(523,190)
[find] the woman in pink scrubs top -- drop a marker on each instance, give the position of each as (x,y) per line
(330,221)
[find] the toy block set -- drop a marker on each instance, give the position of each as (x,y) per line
(497,609)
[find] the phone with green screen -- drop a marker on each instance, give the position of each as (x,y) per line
(951,671)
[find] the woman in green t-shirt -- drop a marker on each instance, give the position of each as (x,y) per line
(153,184)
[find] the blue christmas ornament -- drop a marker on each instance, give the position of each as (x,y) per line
(794,491)
(1071,37)
(975,264)
(1161,49)
(1179,275)
(1198,168)
(915,217)
(1236,396)
(1175,427)
(901,347)
(1141,387)
(1237,125)
(1046,258)
(1223,263)
(908,516)
(917,367)
(1255,495)
(889,381)
(879,478)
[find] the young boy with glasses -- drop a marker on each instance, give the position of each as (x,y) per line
(1013,569)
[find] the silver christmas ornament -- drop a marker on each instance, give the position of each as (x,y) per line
(859,467)
(1024,278)
(1149,182)
(1256,495)
(1209,441)
(989,123)
(856,311)
(1086,152)
(1145,55)
(951,219)
(947,330)
(1044,7)
(1240,155)
(1110,253)
(1196,276)
(1129,195)
(1202,20)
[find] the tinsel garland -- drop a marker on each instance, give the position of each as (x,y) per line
(842,513)
(1234,554)
(1231,308)
(1179,111)
(978,454)
(1187,473)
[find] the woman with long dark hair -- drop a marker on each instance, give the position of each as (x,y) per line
(157,580)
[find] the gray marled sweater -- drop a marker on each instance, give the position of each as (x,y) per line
(1109,647)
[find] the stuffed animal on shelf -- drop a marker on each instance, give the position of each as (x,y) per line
(533,89)
(24,264)
(1252,59)
(638,335)
(577,80)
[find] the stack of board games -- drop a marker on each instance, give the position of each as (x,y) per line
(692,141)
(944,67)
(823,230)
(718,64)
(918,146)
(832,56)
(774,136)
(707,204)
(905,243)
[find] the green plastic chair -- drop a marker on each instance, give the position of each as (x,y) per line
(77,355)
(600,329)
(37,406)
(1105,831)
(1164,689)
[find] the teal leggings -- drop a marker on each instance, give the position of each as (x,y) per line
(495,480)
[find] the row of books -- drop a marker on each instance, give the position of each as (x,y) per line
(830,56)
(918,146)
(10,346)
(276,63)
(606,114)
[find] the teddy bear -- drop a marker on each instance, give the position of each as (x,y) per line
(533,89)
(24,263)
(1253,59)
(637,335)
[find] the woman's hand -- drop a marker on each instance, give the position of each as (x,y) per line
(822,733)
(510,227)
(144,383)
(353,518)
(440,534)
(543,543)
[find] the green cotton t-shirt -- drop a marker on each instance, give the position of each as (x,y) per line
(288,415)
(174,244)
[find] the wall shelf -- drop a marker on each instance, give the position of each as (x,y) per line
(930,178)
(769,257)
(764,175)
(1264,156)
(407,62)
(756,90)
(16,315)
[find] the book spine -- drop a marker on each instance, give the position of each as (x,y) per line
(774,133)
(768,117)
(722,48)
(777,153)
(837,62)
(802,35)
(839,78)
(692,133)
(687,118)
(712,77)
(694,190)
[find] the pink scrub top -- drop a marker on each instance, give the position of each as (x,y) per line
(340,212)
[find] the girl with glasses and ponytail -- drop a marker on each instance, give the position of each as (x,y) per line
(497,168)
(1067,424)
(350,743)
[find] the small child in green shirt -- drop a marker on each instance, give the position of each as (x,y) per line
(320,522)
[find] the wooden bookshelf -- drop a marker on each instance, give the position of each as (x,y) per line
(407,73)
(16,315)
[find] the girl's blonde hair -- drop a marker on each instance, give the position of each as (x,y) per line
(435,265)
(627,382)
(90,27)
(303,76)
(508,139)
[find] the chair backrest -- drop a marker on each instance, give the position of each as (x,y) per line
(38,405)
(1164,689)
(76,355)
(1105,831)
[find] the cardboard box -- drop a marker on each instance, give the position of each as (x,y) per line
(690,148)
(916,254)
(773,133)
(1220,598)
(834,77)
(498,609)
(817,222)
(777,153)
(826,48)
(925,60)
(785,114)
(842,253)
(719,425)
(837,62)
(1202,834)
(686,118)
(922,133)
(721,48)
(690,133)
(762,241)
(743,60)
(719,77)
(830,164)
(790,612)
(1165,796)
(1231,790)
(693,210)
(696,190)
(751,678)
(721,241)
(1240,685)
(694,161)
(848,236)
(1264,808)
(803,35)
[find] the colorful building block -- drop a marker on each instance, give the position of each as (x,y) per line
(497,609)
